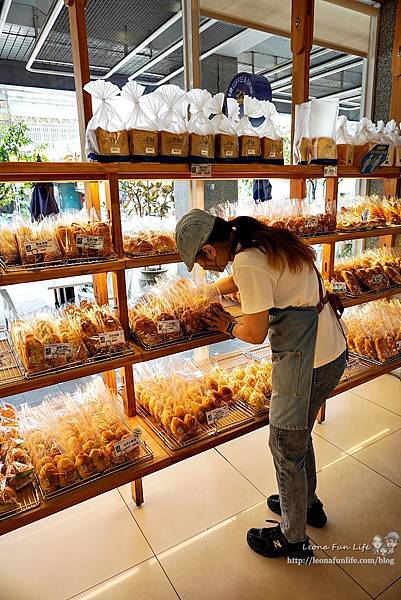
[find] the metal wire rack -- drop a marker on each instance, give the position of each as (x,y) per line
(56,263)
(10,367)
(28,498)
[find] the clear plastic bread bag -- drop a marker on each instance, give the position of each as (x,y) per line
(173,134)
(249,141)
(302,141)
(364,140)
(322,130)
(37,242)
(345,146)
(393,132)
(106,134)
(226,139)
(271,136)
(201,132)
(9,253)
(142,130)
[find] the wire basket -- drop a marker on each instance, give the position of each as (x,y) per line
(28,498)
(11,369)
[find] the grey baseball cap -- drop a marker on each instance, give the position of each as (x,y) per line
(191,233)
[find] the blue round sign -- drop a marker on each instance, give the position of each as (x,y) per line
(247,84)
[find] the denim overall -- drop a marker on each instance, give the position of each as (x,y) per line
(292,335)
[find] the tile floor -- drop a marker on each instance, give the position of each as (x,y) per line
(188,540)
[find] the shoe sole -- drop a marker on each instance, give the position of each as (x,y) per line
(278,512)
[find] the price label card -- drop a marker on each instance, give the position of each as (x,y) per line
(112,338)
(39,247)
(365,215)
(330,171)
(57,350)
(93,242)
(377,279)
(374,158)
(6,360)
(212,416)
(398,345)
(125,446)
(311,222)
(201,170)
(171,326)
(339,287)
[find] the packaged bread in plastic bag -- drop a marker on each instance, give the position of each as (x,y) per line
(80,234)
(249,141)
(106,134)
(322,130)
(173,134)
(302,151)
(393,132)
(270,135)
(383,138)
(37,242)
(226,139)
(201,132)
(365,139)
(140,124)
(9,253)
(345,146)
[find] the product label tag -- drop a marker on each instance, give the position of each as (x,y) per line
(229,153)
(365,215)
(339,287)
(171,326)
(330,171)
(201,170)
(125,446)
(398,345)
(176,151)
(251,151)
(377,279)
(311,222)
(39,247)
(57,350)
(149,150)
(6,360)
(212,416)
(112,338)
(93,242)
(115,149)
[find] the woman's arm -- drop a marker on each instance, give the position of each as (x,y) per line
(250,328)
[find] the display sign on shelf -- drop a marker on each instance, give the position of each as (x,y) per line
(213,416)
(374,158)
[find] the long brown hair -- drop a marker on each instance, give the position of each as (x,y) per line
(282,247)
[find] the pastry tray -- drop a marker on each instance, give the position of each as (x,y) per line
(149,254)
(370,293)
(239,414)
(372,361)
(145,454)
(28,498)
(172,342)
(56,263)
(72,365)
(10,366)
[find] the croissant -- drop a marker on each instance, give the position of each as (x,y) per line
(100,459)
(84,465)
(66,472)
(177,427)
(48,477)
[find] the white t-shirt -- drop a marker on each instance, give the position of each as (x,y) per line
(261,287)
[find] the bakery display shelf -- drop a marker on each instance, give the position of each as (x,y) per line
(94,171)
(27,498)
(365,372)
(238,415)
(374,361)
(350,300)
(38,266)
(145,454)
(150,260)
(168,343)
(25,274)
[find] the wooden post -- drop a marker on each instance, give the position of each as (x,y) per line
(137,491)
(395,108)
(302,12)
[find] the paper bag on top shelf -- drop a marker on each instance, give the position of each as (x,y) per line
(322,131)
(173,134)
(393,133)
(249,141)
(365,139)
(226,139)
(383,138)
(345,146)
(140,124)
(201,132)
(106,134)
(270,135)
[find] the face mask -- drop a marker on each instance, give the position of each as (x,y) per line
(215,268)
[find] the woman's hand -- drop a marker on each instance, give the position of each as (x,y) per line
(235,297)
(216,319)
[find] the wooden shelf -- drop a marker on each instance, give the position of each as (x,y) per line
(371,372)
(347,302)
(69,171)
(27,275)
(148,261)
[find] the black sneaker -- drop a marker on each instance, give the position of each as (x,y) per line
(272,543)
(315,515)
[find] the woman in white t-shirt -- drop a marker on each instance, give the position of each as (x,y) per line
(282,296)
